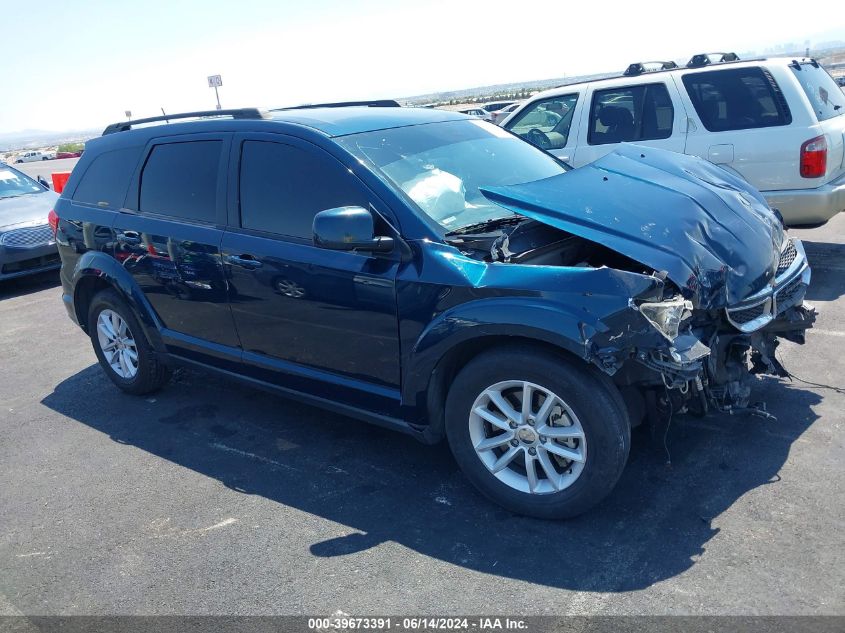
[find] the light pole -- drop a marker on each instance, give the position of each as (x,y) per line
(215,81)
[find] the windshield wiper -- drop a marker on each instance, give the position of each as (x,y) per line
(486,225)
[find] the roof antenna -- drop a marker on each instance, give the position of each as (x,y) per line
(166,120)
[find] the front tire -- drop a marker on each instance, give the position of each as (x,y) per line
(121,347)
(536,433)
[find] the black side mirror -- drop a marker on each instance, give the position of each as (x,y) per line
(349,229)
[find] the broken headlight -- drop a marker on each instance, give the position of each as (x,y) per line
(666,316)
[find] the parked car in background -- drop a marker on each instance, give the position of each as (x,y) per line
(434,275)
(68,154)
(29,157)
(27,243)
(496,105)
(778,123)
(498,116)
(481,113)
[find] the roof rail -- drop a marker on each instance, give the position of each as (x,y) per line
(378,103)
(797,64)
(640,67)
(703,59)
(241,113)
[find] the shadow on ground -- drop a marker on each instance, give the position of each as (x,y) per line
(23,286)
(827,261)
(387,487)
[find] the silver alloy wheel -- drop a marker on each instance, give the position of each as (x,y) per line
(290,288)
(117,344)
(528,437)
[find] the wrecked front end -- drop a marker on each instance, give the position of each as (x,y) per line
(707,357)
(666,352)
(731,283)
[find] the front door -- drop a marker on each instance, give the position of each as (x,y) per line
(551,124)
(313,320)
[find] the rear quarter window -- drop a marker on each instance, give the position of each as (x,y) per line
(107,178)
(825,96)
(737,99)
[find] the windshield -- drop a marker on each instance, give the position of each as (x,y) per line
(440,166)
(824,95)
(13,183)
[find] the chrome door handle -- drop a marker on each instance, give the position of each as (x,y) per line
(244,261)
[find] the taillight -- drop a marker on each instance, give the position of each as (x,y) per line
(53,221)
(814,158)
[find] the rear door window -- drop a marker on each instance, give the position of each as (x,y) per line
(632,113)
(180,180)
(825,96)
(737,99)
(283,187)
(546,123)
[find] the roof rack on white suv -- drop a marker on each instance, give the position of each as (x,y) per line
(639,68)
(705,59)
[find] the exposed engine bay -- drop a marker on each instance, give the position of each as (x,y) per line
(518,240)
(673,351)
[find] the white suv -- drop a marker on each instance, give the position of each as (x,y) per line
(778,123)
(30,157)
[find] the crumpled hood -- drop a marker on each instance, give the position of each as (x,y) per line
(711,232)
(29,209)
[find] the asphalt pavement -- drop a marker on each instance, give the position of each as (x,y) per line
(210,497)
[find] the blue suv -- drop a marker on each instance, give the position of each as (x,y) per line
(432,273)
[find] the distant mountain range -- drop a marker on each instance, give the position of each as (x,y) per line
(483,92)
(34,139)
(491,91)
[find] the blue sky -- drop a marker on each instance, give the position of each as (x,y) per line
(72,65)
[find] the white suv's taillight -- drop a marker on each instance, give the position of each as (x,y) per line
(814,157)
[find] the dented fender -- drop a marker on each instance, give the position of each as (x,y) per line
(588,312)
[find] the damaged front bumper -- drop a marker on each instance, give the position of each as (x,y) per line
(786,290)
(711,358)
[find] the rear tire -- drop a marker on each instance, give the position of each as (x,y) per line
(550,463)
(121,346)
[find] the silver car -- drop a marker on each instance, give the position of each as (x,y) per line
(27,243)
(481,113)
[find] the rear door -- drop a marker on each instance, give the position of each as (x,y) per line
(317,321)
(740,119)
(644,113)
(168,237)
